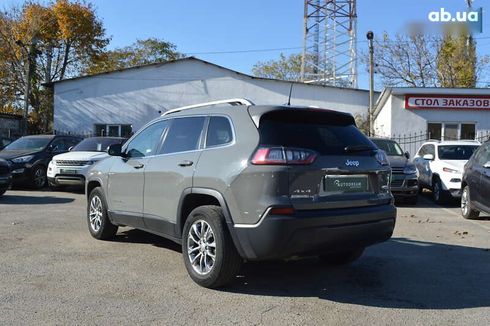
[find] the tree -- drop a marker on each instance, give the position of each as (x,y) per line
(406,60)
(285,68)
(141,52)
(63,38)
(457,62)
(427,61)
(289,68)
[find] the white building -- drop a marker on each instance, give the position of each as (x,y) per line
(120,102)
(441,113)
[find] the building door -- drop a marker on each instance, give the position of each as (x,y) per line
(113,130)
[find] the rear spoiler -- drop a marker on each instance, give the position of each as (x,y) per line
(331,116)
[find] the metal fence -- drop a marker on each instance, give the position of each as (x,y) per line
(69,133)
(411,142)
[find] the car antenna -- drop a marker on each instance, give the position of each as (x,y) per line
(290,92)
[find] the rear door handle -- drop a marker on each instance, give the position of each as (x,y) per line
(138,166)
(186,163)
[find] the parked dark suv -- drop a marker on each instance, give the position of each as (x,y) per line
(29,156)
(404,184)
(246,182)
(475,185)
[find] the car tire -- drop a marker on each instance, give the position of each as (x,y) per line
(342,258)
(466,210)
(39,177)
(438,193)
(2,191)
(411,200)
(99,225)
(206,235)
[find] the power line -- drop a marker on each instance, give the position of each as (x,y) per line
(246,51)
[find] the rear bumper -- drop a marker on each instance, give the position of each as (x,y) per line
(315,231)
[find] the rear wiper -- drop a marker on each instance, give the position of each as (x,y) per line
(358,148)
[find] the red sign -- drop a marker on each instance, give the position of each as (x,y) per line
(447,102)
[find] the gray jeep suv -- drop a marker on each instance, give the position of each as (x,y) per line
(246,182)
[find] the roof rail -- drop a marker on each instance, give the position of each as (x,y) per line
(231,101)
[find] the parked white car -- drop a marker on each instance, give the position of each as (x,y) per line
(440,166)
(71,169)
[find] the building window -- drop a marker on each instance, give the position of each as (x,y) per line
(434,130)
(113,130)
(451,131)
(468,131)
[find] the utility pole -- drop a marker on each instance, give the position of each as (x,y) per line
(370,37)
(31,53)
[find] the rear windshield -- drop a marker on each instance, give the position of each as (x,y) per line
(326,133)
(456,152)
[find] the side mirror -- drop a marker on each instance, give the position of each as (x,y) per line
(428,157)
(487,165)
(407,155)
(115,150)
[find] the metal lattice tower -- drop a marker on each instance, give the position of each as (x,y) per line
(329,44)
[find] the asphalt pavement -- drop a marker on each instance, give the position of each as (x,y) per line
(434,271)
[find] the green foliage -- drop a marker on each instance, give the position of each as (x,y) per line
(62,38)
(65,39)
(142,52)
(285,68)
(457,61)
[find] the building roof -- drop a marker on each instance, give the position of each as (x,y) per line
(191,58)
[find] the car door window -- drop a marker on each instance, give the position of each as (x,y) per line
(147,141)
(219,132)
(183,135)
(59,145)
(483,156)
(431,150)
(422,151)
(70,142)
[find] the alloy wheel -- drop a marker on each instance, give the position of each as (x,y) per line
(465,200)
(437,191)
(95,213)
(201,247)
(39,177)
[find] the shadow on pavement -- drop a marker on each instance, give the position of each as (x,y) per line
(138,236)
(400,273)
(33,200)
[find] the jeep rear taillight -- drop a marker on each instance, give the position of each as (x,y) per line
(283,156)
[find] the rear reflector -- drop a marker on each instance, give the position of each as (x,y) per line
(281,211)
(283,156)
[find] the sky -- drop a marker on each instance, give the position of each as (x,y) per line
(262,28)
